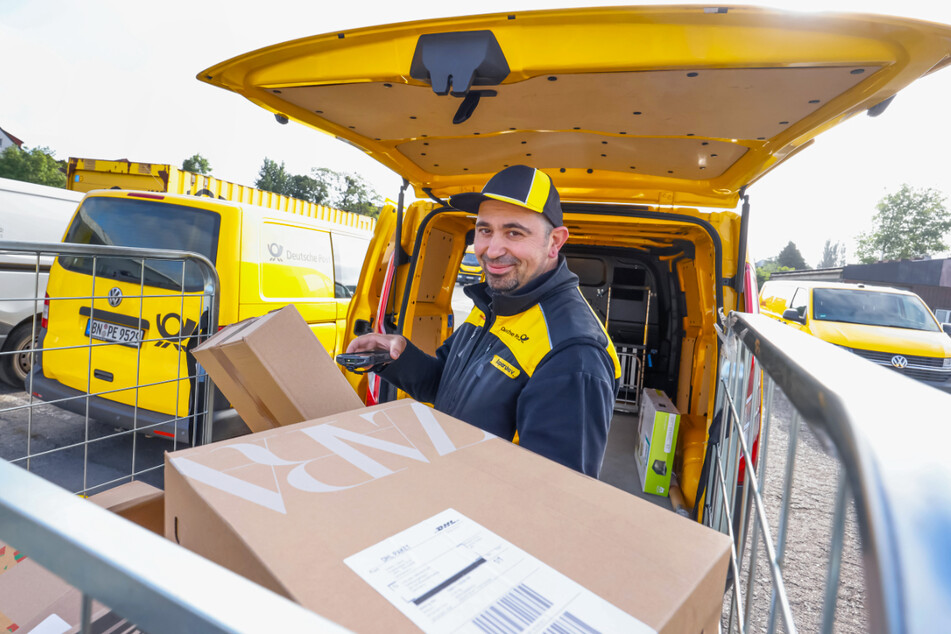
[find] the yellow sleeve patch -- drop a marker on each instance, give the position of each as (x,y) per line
(507,368)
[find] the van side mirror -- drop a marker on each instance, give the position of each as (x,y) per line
(946,328)
(791,314)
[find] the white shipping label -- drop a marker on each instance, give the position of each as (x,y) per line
(669,440)
(450,574)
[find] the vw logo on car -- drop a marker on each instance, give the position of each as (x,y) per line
(115,296)
(899,362)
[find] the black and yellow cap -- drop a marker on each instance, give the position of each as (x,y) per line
(519,185)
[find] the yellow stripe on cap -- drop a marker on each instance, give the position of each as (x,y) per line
(538,194)
(509,199)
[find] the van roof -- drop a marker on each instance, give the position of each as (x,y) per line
(217,204)
(669,105)
(840,285)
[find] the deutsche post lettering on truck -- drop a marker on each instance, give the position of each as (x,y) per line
(154,311)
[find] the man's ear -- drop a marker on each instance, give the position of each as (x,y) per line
(559,236)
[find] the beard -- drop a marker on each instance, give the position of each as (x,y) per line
(503,284)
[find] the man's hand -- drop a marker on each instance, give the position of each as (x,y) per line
(375,341)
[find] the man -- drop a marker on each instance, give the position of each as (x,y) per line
(531,361)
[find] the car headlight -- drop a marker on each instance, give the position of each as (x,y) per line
(947,363)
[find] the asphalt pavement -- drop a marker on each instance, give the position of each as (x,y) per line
(61,447)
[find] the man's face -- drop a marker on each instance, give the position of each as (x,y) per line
(515,245)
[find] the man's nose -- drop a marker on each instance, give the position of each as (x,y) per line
(494,246)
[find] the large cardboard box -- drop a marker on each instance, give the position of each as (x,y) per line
(656,441)
(398,518)
(271,369)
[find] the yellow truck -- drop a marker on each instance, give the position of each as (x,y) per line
(87,174)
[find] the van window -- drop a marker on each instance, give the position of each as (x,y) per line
(800,301)
(128,222)
(872,308)
(296,262)
(470,259)
(349,252)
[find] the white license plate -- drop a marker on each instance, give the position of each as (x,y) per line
(104,331)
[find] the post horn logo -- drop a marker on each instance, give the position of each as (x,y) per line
(276,250)
(899,362)
(115,296)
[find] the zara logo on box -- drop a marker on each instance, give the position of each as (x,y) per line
(342,443)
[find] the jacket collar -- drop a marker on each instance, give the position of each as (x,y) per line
(524,298)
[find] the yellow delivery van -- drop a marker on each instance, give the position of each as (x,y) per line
(655,124)
(264,258)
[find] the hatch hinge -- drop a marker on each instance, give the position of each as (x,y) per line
(739,278)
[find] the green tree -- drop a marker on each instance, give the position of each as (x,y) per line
(33,166)
(272,177)
(833,254)
(324,186)
(911,223)
(791,257)
(767,268)
(307,188)
(359,196)
(347,191)
(197,164)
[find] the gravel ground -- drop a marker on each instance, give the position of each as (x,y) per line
(808,540)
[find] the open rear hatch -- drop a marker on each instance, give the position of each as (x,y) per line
(665,105)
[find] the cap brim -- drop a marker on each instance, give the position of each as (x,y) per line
(468,201)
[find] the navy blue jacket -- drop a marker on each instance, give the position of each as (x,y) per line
(537,363)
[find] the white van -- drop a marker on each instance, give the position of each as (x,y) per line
(28,213)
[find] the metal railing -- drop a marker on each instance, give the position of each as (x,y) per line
(150,581)
(88,415)
(882,442)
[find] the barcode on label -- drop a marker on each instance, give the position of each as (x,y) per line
(568,623)
(514,612)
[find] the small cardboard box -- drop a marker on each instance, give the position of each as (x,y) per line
(656,441)
(245,359)
(136,501)
(398,518)
(34,599)
(31,596)
(9,557)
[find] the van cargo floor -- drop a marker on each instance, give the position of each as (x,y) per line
(618,468)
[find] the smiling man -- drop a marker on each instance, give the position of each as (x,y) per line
(531,362)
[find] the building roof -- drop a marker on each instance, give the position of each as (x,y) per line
(15,140)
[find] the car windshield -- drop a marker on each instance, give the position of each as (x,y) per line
(872,308)
(144,224)
(469,259)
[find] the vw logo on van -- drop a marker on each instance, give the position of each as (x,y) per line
(899,361)
(115,296)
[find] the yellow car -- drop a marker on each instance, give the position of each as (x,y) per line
(654,124)
(470,271)
(891,327)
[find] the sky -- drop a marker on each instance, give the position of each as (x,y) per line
(113,79)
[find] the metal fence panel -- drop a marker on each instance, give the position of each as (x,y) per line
(93,415)
(884,480)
